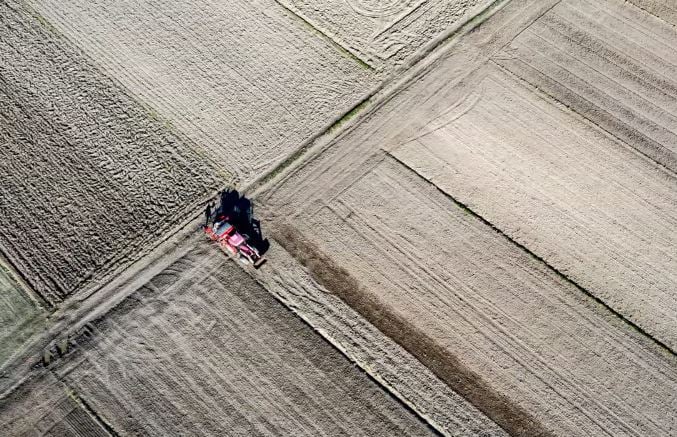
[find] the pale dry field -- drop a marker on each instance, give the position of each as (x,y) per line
(496,233)
(202,349)
(575,193)
(250,81)
(580,199)
(89,176)
(20,316)
(247,81)
(385,34)
(665,10)
(379,355)
(472,204)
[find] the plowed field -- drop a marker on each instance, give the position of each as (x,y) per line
(89,176)
(201,349)
(472,208)
(501,232)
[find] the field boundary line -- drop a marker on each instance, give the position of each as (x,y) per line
(332,41)
(88,408)
(17,276)
(336,345)
(554,269)
(416,66)
(541,93)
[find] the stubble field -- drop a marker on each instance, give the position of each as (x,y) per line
(502,226)
(91,176)
(202,349)
(472,208)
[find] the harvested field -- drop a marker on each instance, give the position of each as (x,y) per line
(246,80)
(44,406)
(379,355)
(20,317)
(502,238)
(384,34)
(610,62)
(89,176)
(584,202)
(203,349)
(663,9)
(487,248)
(522,344)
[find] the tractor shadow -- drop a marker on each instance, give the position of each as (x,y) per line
(240,213)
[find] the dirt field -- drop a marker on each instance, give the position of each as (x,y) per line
(46,407)
(578,198)
(203,349)
(20,317)
(245,80)
(466,301)
(68,216)
(384,34)
(611,63)
(384,359)
(660,8)
(573,194)
(484,248)
(403,208)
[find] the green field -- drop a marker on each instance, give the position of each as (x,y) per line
(19,316)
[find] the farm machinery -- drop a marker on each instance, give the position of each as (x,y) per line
(233,228)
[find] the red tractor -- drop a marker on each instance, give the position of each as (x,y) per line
(234,243)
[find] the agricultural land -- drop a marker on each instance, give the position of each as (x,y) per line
(468,211)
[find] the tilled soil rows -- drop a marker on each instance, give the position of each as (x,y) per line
(609,62)
(665,10)
(491,240)
(586,203)
(384,34)
(246,80)
(522,344)
(553,316)
(89,176)
(45,406)
(203,349)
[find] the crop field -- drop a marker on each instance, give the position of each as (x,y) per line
(470,207)
(509,234)
(66,217)
(384,34)
(19,316)
(202,348)
(245,80)
(46,407)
